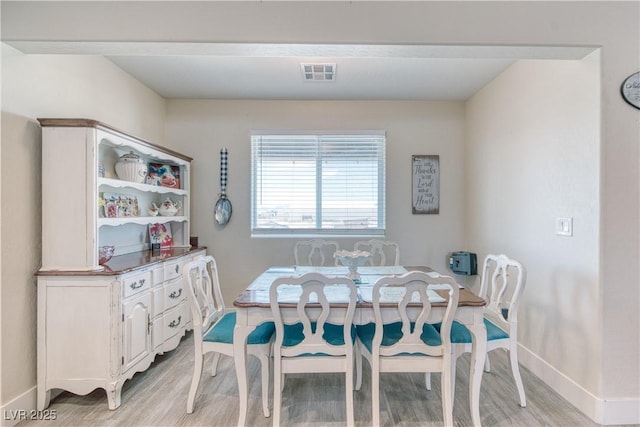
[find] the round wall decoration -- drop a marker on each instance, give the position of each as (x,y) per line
(631,89)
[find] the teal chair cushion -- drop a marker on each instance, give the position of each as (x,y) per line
(333,334)
(392,332)
(461,335)
(222,332)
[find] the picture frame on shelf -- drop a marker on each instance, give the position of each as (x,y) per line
(120,205)
(160,234)
(111,209)
(164,175)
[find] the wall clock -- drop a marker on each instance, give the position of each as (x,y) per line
(631,89)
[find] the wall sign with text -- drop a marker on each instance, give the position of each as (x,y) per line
(426,184)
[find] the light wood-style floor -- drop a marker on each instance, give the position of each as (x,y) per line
(158,397)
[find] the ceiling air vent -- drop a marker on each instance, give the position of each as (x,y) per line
(318,72)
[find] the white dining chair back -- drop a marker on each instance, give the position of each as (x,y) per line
(383,252)
(408,341)
(503,281)
(316,252)
(502,285)
(213,327)
(205,291)
(313,316)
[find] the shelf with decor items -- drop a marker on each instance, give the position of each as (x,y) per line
(113,184)
(99,187)
(144,220)
(102,317)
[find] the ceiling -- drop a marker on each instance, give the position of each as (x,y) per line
(273,71)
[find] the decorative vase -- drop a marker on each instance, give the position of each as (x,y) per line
(353,260)
(130,167)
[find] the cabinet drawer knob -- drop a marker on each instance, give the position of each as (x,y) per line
(177,268)
(137,284)
(175,323)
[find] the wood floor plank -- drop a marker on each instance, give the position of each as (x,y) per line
(158,397)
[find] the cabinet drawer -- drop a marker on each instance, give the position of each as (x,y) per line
(174,292)
(169,329)
(136,283)
(172,270)
(173,322)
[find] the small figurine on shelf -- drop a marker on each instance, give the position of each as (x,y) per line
(153,210)
(169,207)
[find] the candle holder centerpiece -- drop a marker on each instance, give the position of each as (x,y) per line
(353,260)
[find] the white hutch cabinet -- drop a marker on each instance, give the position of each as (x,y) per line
(100,324)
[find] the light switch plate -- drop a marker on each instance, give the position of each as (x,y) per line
(564,227)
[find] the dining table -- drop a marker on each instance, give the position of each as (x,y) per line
(253,308)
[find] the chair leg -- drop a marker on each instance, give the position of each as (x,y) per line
(515,369)
(454,367)
(265,361)
(375,393)
(348,386)
(277,392)
(214,364)
(427,380)
(447,385)
(195,381)
(487,364)
(358,356)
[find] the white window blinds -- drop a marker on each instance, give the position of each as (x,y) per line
(318,184)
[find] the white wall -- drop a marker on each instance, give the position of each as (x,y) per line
(200,128)
(47,86)
(532,154)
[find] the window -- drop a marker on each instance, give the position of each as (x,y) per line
(318,183)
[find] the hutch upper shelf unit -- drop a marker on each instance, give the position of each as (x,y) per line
(81,192)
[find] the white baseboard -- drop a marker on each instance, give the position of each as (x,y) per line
(602,411)
(19,409)
(24,407)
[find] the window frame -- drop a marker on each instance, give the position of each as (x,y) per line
(379,231)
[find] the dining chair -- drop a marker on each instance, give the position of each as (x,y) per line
(313,315)
(410,343)
(383,252)
(503,279)
(316,252)
(213,327)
